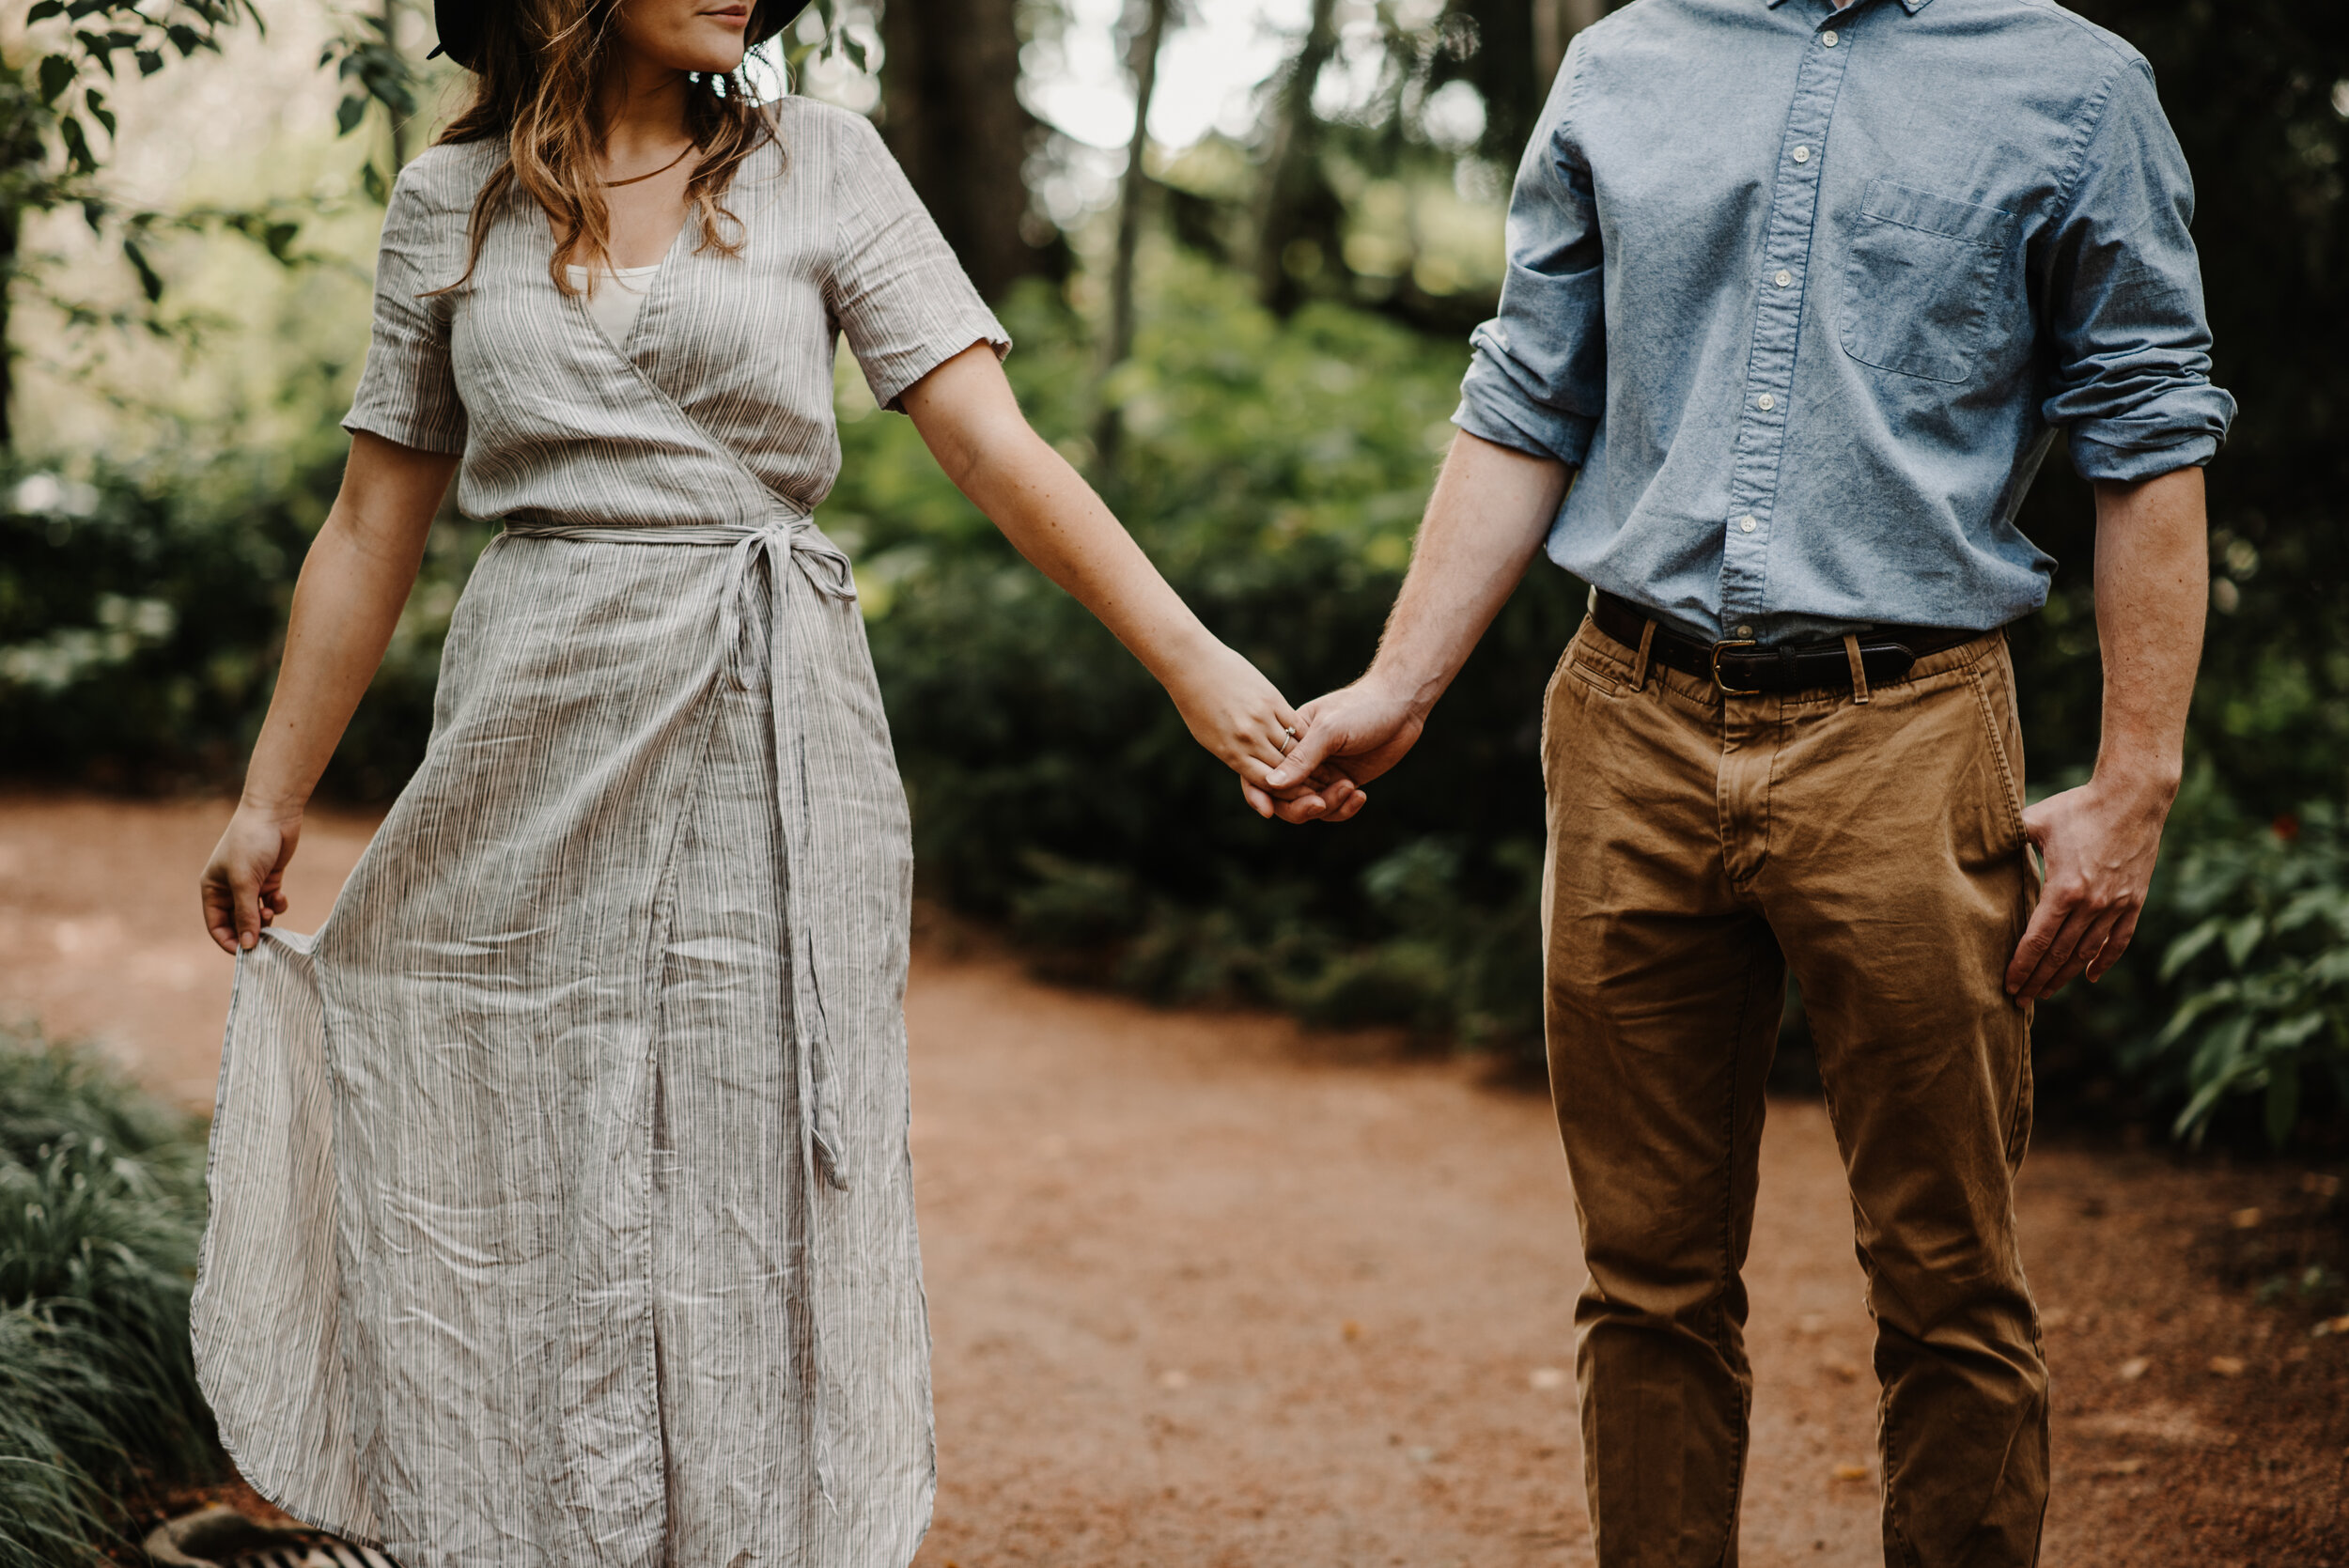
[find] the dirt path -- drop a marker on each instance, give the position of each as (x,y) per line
(1211,1293)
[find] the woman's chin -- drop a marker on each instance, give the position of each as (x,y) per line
(706,55)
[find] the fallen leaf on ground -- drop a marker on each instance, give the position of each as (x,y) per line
(1851,1472)
(2332,1326)
(1545,1379)
(2134,1368)
(2227,1366)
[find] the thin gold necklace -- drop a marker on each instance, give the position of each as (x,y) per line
(640,178)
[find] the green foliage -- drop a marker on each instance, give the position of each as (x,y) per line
(140,617)
(48,157)
(101,1209)
(2260,970)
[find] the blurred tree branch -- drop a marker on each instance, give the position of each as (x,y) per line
(1143,62)
(1294,192)
(49,157)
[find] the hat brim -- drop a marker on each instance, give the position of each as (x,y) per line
(458,24)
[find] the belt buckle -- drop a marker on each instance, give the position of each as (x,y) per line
(1722,687)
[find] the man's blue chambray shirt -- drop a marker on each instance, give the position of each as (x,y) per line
(1806,294)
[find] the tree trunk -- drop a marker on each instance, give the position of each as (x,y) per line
(1291,180)
(1119,343)
(10,218)
(951,112)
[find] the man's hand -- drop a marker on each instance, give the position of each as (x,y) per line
(2100,843)
(1351,736)
(1492,507)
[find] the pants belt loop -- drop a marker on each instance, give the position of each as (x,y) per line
(1638,665)
(1859,671)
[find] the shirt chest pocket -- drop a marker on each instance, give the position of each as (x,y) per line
(1918,291)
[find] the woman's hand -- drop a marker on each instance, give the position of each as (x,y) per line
(244,886)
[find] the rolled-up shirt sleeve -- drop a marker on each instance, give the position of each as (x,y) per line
(1537,379)
(2129,375)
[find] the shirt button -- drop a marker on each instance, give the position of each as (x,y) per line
(1745,632)
(1766,403)
(1802,155)
(1745,525)
(1829,38)
(1783,278)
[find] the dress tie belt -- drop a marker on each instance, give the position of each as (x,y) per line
(794,538)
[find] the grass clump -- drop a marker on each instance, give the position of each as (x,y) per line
(101,1210)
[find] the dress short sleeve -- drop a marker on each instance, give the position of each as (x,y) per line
(406,391)
(902,300)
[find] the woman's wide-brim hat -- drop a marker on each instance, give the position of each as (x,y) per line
(458,22)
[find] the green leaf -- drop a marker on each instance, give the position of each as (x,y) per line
(2188,948)
(44,9)
(151,281)
(2220,995)
(378,188)
(2243,937)
(2291,1033)
(348,115)
(98,110)
(150,61)
(56,75)
(2220,1054)
(77,145)
(2284,1104)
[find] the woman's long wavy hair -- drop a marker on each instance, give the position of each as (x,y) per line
(537,86)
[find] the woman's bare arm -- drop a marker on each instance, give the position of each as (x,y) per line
(967,413)
(354,584)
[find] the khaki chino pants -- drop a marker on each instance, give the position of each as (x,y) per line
(1699,847)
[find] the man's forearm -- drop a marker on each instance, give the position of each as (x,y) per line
(1490,511)
(2153,580)
(2101,841)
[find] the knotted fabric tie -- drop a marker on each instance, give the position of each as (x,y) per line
(788,538)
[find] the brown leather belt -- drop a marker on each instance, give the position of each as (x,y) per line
(1742,668)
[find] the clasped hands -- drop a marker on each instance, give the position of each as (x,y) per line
(1300,764)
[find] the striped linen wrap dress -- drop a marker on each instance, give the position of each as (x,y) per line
(562,1208)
